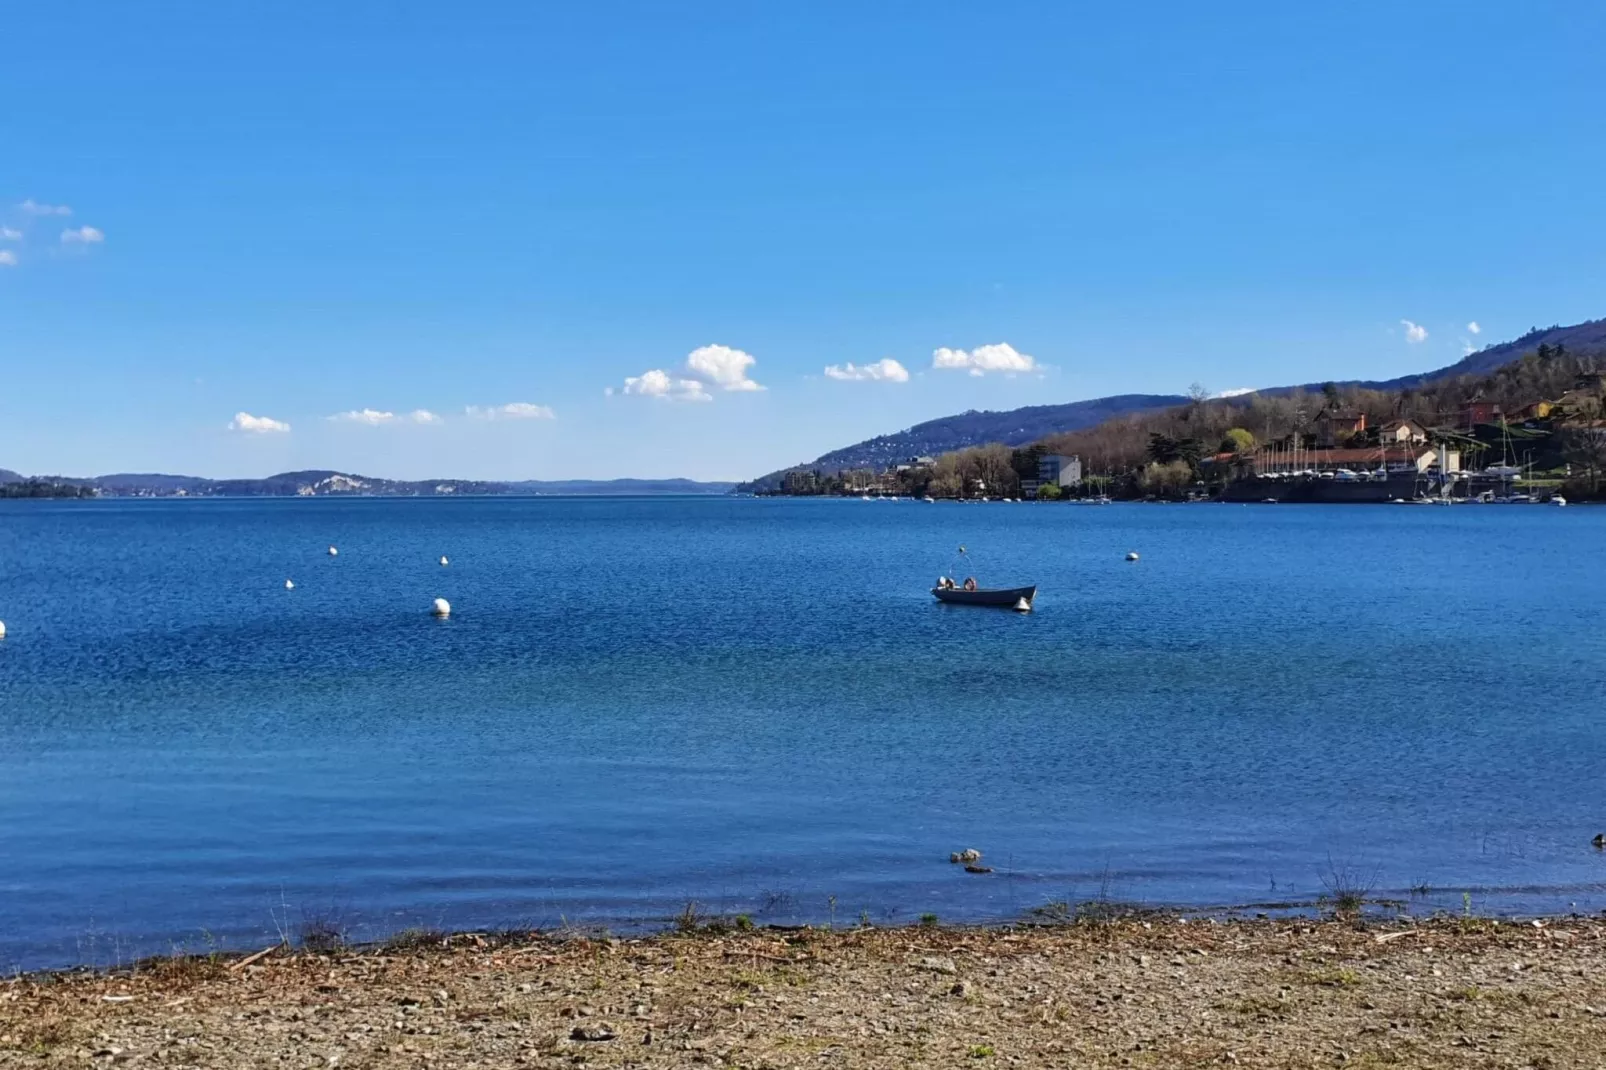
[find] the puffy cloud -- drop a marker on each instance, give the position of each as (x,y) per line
(85,235)
(886,370)
(658,383)
(706,368)
(1235,392)
(369,417)
(514,410)
(1473,328)
(1414,332)
(257,425)
(424,416)
(33,207)
(722,366)
(10,234)
(999,357)
(8,258)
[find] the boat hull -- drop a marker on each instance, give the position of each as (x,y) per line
(998,596)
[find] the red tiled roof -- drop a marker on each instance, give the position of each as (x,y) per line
(1353,456)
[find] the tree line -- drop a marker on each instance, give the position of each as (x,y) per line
(40,488)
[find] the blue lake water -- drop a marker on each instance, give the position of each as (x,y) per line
(758,706)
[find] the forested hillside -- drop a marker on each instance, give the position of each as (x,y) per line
(1051,423)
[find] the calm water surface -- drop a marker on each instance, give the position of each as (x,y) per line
(757,705)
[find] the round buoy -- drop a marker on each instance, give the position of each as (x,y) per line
(1132,555)
(444,562)
(441,608)
(2,629)
(333,552)
(289,585)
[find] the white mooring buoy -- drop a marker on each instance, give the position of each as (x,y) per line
(2,629)
(333,552)
(1132,555)
(1022,606)
(444,562)
(441,608)
(289,585)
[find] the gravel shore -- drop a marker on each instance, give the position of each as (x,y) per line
(1130,993)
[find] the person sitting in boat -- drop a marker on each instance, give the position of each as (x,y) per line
(945,583)
(970,583)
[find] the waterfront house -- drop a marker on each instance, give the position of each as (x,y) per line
(1480,412)
(1337,425)
(1056,468)
(1402,433)
(1539,410)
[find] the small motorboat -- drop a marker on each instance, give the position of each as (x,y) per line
(969,593)
(985,596)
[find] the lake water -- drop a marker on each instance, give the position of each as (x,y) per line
(757,705)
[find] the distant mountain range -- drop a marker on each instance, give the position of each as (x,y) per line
(1013,428)
(327,483)
(1020,427)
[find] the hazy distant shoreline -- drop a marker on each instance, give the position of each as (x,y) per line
(324,484)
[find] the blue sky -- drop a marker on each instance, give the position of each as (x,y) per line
(303,210)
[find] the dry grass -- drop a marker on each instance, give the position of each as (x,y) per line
(1122,993)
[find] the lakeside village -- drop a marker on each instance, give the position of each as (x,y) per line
(1330,446)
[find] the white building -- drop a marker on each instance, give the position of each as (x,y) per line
(1057,468)
(1053,468)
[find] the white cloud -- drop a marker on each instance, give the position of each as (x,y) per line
(1467,348)
(257,425)
(515,410)
(1414,332)
(706,368)
(658,383)
(33,207)
(1474,328)
(377,417)
(370,417)
(8,258)
(85,235)
(999,357)
(1235,392)
(886,370)
(722,366)
(10,234)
